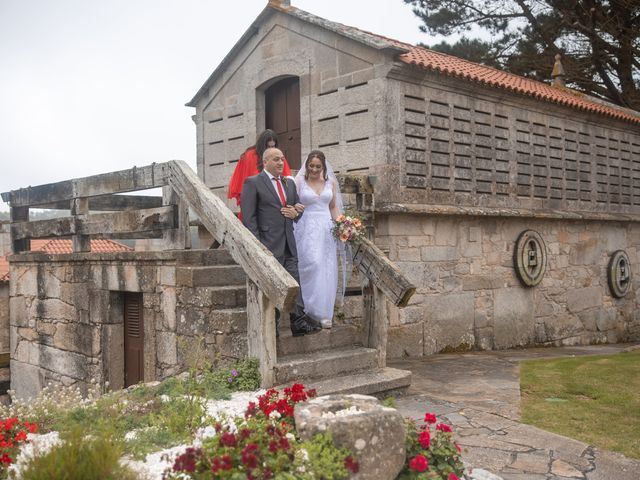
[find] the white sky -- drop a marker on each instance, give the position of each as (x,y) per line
(92,86)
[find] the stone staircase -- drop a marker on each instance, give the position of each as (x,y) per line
(332,361)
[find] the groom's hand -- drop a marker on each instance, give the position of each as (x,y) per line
(299,207)
(289,212)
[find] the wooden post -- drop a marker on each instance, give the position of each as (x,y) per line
(81,243)
(261,332)
(376,317)
(178,238)
(19,214)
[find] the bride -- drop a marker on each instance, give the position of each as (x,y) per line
(317,249)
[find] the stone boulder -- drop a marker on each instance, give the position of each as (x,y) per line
(374,433)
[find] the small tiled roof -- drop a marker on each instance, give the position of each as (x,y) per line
(4,269)
(63,245)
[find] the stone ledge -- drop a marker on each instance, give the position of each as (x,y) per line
(427,209)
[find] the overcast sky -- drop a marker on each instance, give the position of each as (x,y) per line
(91,86)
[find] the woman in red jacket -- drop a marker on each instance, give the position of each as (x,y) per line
(250,164)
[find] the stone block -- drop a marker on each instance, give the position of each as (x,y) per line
(77,337)
(113,355)
(65,363)
(439,254)
(561,327)
(587,252)
(579,299)
(55,309)
(24,281)
(446,232)
(405,341)
(606,320)
(409,254)
(19,313)
(374,433)
(167,348)
(168,307)
(26,380)
(167,275)
(482,282)
(513,317)
(449,320)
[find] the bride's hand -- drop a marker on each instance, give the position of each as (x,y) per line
(299,207)
(289,212)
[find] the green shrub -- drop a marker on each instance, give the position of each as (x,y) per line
(80,457)
(326,460)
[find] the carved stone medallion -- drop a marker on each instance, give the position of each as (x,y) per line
(530,258)
(619,274)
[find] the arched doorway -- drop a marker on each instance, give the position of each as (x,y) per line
(282,115)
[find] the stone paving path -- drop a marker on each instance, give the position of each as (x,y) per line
(479,394)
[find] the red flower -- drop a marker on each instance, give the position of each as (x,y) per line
(419,463)
(187,461)
(21,436)
(457,447)
(6,459)
(228,439)
(273,446)
(430,417)
(31,427)
(351,464)
(425,439)
(452,476)
(443,427)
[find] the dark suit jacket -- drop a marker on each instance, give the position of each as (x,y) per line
(261,206)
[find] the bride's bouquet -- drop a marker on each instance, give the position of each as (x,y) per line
(348,228)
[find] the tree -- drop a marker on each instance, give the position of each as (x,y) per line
(599,40)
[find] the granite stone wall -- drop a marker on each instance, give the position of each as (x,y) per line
(469,296)
(67,327)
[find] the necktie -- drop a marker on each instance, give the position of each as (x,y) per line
(280,192)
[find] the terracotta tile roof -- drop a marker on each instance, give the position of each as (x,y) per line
(457,67)
(63,245)
(4,269)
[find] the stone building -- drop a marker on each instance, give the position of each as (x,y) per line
(476,171)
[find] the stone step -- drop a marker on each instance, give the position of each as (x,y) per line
(381,382)
(324,364)
(222,321)
(216,297)
(218,256)
(337,337)
(212,276)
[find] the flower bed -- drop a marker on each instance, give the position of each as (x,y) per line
(249,436)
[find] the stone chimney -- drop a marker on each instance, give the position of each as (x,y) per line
(558,73)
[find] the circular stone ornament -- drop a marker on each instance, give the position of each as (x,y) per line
(530,258)
(619,274)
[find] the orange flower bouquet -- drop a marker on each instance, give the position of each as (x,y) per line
(348,228)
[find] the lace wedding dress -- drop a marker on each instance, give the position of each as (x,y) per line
(317,260)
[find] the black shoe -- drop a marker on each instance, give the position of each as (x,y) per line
(300,327)
(312,322)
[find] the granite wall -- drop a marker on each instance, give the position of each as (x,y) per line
(469,296)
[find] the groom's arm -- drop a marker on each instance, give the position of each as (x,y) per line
(249,205)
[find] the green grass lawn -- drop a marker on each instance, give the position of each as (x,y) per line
(595,399)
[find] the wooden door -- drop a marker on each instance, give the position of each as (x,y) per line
(133,339)
(282,101)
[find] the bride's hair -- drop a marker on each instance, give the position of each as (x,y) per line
(320,156)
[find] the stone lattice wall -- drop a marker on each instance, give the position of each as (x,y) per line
(464,147)
(469,296)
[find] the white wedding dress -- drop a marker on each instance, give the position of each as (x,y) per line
(317,258)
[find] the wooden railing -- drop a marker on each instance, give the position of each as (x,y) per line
(269,285)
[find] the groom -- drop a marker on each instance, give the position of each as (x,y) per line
(266,202)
